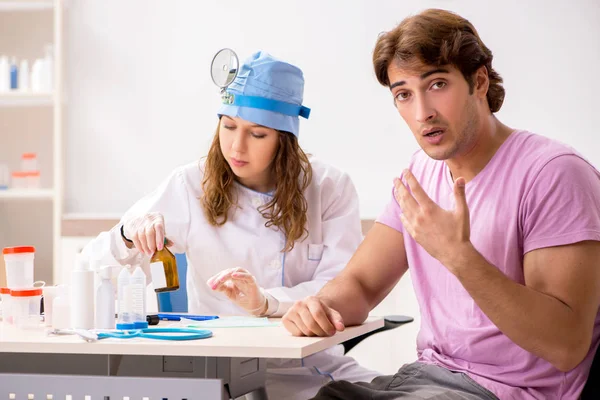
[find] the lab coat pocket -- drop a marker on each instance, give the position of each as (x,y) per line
(315,252)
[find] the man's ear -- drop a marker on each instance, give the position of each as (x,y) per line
(482,82)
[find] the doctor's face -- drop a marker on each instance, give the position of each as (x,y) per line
(249,149)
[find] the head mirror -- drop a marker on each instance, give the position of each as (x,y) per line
(224,67)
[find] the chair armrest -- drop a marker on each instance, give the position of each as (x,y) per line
(390,322)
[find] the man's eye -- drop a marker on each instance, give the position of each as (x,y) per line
(402,96)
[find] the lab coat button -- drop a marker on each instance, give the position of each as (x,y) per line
(257,202)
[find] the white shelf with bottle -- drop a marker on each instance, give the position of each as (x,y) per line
(26,5)
(24,194)
(37,126)
(25,99)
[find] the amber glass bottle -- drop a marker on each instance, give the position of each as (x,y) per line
(167,260)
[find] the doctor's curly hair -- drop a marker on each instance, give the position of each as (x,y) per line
(286,211)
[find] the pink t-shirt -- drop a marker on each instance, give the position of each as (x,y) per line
(534,193)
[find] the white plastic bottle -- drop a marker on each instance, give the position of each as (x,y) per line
(82,295)
(138,297)
(125,320)
(61,309)
(105,300)
(4,74)
(36,78)
(49,68)
(24,76)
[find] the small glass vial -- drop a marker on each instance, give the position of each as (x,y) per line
(163,267)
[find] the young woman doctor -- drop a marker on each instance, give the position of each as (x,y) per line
(261,225)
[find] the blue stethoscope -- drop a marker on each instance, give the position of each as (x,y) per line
(177,334)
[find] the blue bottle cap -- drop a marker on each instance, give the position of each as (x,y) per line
(125,327)
(140,325)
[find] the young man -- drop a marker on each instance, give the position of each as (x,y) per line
(500,228)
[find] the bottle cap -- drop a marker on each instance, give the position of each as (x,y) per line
(140,325)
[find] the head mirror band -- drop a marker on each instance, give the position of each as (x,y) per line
(263,103)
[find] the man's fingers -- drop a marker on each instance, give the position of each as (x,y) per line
(302,326)
(417,191)
(404,198)
(407,226)
(461,197)
(336,318)
(322,319)
(311,324)
(290,324)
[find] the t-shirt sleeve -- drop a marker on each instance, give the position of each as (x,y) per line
(391,214)
(563,204)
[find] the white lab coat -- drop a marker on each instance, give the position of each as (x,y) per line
(334,233)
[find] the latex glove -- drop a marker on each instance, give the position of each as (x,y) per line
(147,232)
(240,287)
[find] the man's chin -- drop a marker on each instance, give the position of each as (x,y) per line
(438,153)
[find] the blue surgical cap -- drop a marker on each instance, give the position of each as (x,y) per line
(264,84)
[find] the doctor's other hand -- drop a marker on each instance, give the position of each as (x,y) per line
(240,287)
(147,232)
(312,317)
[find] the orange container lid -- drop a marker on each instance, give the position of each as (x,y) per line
(26,292)
(4,290)
(28,156)
(18,250)
(19,174)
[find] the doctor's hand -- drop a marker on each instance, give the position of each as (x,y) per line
(240,287)
(312,317)
(444,234)
(147,232)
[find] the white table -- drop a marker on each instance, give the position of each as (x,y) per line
(229,364)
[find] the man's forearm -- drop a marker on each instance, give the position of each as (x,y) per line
(346,295)
(537,322)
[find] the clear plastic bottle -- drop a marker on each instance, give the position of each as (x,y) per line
(163,266)
(61,309)
(125,320)
(137,282)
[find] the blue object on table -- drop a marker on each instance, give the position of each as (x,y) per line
(159,334)
(176,301)
(177,317)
